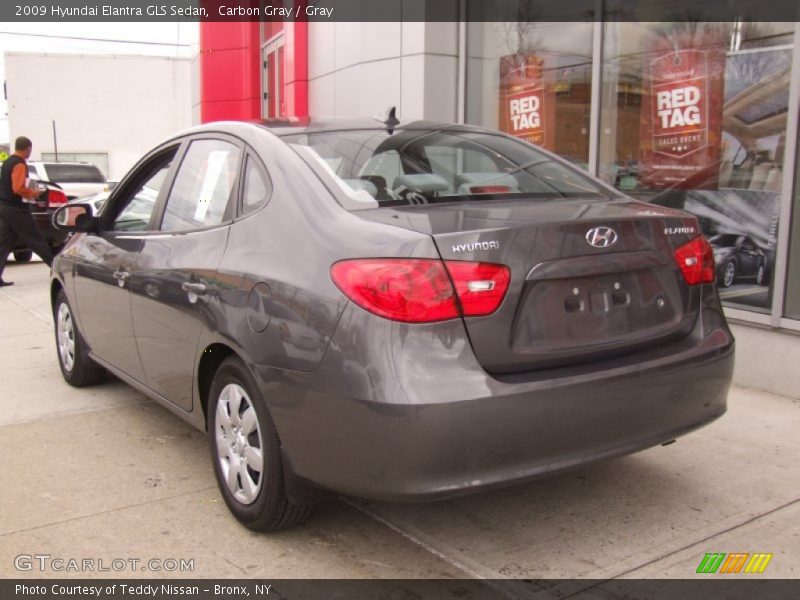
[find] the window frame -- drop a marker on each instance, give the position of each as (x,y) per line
(133,181)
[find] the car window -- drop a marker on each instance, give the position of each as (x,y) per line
(135,216)
(420,166)
(257,187)
(32,171)
(382,169)
(63,173)
(204,184)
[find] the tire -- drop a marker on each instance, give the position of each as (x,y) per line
(77,368)
(761,274)
(728,274)
(23,256)
(257,495)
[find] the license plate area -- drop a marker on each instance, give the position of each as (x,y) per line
(609,310)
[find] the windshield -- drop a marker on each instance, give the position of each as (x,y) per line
(63,173)
(727,240)
(412,167)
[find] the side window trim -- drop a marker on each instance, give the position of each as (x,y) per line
(130,185)
(158,214)
(250,155)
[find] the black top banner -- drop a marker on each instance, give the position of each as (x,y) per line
(399,10)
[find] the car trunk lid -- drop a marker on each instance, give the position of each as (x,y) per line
(568,301)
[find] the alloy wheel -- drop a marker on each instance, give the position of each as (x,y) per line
(66,337)
(239,443)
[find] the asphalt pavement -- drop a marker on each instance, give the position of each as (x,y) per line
(105,474)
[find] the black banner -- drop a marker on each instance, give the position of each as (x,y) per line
(398,10)
(714,586)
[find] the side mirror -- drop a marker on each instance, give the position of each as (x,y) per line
(77,217)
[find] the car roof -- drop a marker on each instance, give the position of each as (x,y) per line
(288,127)
(283,127)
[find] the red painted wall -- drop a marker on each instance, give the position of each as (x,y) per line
(230,77)
(230,70)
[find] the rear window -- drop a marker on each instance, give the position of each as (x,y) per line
(61,173)
(413,167)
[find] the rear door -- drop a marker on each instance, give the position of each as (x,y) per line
(174,281)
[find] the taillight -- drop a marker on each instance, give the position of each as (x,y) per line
(56,198)
(480,287)
(416,290)
(696,261)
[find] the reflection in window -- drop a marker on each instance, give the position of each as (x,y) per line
(256,188)
(533,80)
(694,117)
(135,216)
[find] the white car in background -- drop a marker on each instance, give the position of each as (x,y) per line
(75,178)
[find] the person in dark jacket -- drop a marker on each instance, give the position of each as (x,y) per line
(16,221)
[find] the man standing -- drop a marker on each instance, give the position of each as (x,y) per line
(16,220)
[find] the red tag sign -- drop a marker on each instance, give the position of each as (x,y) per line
(681,130)
(679,91)
(522,98)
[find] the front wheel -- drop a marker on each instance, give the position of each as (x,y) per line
(728,274)
(246,453)
(77,368)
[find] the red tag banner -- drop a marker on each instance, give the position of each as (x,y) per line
(681,131)
(526,110)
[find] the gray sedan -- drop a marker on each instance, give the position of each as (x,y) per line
(390,311)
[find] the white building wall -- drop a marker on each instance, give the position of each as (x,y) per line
(361,69)
(119,105)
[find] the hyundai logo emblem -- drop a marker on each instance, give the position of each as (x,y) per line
(601,237)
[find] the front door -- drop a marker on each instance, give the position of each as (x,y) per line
(174,281)
(104,265)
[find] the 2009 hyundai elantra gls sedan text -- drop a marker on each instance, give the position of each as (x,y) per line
(390,312)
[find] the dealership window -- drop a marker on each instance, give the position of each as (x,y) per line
(694,116)
(534,81)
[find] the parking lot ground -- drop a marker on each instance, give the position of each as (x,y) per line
(104,473)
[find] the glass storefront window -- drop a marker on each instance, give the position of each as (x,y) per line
(534,81)
(693,116)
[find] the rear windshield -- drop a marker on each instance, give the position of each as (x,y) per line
(60,173)
(411,167)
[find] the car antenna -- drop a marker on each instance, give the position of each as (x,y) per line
(389,119)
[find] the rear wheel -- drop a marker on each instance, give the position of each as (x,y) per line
(76,367)
(761,275)
(23,256)
(246,453)
(728,274)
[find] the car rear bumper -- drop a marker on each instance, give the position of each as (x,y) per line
(394,427)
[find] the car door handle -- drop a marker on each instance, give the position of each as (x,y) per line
(194,288)
(121,275)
